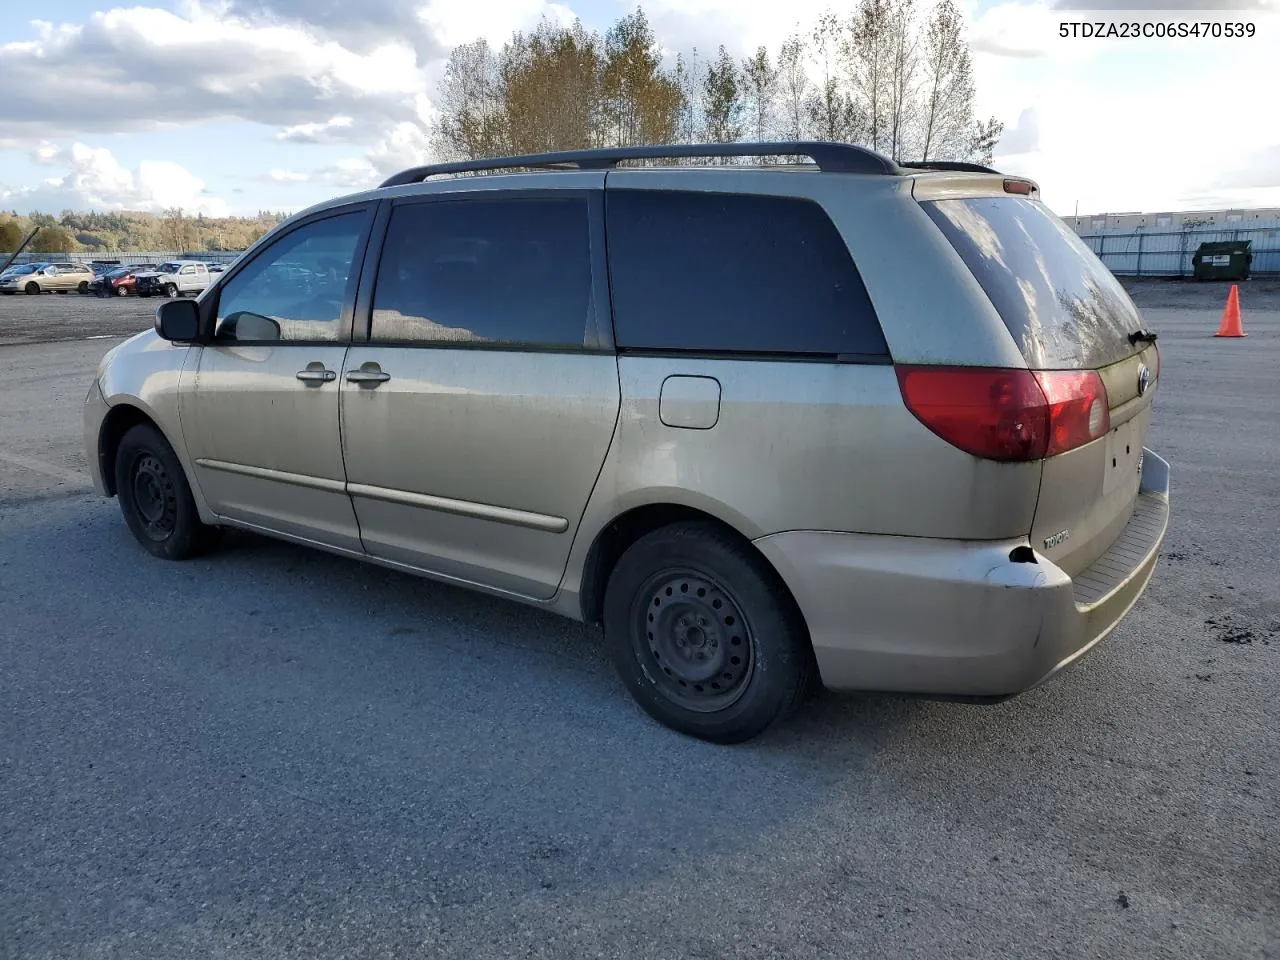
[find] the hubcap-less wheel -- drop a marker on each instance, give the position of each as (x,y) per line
(694,639)
(155,496)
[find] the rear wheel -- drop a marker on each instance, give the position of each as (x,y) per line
(32,288)
(84,287)
(704,635)
(156,499)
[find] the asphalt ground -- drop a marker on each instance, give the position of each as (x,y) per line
(272,752)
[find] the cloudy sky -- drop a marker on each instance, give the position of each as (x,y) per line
(240,105)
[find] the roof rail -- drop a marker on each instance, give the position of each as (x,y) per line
(945,165)
(830,157)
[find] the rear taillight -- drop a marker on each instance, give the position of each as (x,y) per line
(1009,415)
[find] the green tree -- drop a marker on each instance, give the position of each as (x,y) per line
(760,80)
(722,101)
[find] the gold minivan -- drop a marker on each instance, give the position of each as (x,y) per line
(873,423)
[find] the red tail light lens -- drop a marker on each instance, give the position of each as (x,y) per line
(1008,415)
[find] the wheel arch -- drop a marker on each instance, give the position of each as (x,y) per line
(120,419)
(626,528)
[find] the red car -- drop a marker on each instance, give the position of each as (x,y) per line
(121,281)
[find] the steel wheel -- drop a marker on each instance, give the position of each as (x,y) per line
(155,496)
(695,638)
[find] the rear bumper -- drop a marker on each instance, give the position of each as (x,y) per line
(954,618)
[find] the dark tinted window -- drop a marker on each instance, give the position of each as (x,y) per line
(721,273)
(295,289)
(512,271)
(1062,305)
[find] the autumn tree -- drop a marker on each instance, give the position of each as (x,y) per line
(52,239)
(875,76)
(174,231)
(11,235)
(550,88)
(642,102)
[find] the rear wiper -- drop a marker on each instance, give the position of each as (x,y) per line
(1142,336)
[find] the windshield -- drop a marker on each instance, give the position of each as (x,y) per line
(1060,303)
(22,270)
(169,267)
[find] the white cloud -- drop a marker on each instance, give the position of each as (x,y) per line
(325,131)
(287,176)
(95,179)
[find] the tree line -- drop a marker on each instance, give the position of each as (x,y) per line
(123,231)
(889,75)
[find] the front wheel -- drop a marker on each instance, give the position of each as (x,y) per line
(170,290)
(704,635)
(122,291)
(156,499)
(32,288)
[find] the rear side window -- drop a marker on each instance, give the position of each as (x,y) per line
(1061,304)
(735,273)
(514,271)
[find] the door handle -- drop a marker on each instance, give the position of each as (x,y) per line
(311,375)
(367,376)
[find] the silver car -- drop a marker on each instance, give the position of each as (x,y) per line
(876,424)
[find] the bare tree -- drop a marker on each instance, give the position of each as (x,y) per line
(947,98)
(867,50)
(793,81)
(472,114)
(831,111)
(903,104)
(760,80)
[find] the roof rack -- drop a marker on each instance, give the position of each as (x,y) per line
(945,165)
(830,157)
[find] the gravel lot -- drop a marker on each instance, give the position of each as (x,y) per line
(276,753)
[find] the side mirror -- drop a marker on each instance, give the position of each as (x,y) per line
(178,320)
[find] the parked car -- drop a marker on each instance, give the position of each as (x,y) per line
(176,278)
(121,281)
(57,277)
(876,421)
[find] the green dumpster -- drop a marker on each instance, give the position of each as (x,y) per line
(1222,260)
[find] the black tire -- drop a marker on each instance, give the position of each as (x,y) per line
(704,635)
(32,288)
(83,288)
(155,497)
(170,290)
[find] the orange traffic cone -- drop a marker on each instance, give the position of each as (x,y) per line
(1231,325)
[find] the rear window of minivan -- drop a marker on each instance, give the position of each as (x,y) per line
(1060,303)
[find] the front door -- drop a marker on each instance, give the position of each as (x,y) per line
(260,412)
(477,417)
